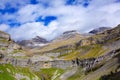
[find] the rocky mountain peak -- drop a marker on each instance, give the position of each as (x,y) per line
(34,42)
(70,32)
(99,30)
(39,39)
(67,35)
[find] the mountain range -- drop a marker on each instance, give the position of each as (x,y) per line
(70,56)
(39,41)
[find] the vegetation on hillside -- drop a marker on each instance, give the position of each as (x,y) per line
(9,72)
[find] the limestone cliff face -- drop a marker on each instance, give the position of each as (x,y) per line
(4,35)
(4,39)
(101,38)
(7,46)
(91,63)
(87,41)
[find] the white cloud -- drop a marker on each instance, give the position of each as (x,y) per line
(4,27)
(30,30)
(27,13)
(13,3)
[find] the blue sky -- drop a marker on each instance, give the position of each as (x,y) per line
(25,19)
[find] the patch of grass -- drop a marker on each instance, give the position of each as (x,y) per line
(4,41)
(95,51)
(84,52)
(8,72)
(72,55)
(76,53)
(87,47)
(48,73)
(63,55)
(16,51)
(60,50)
(4,74)
(3,48)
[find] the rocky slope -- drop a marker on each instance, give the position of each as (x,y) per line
(67,39)
(67,35)
(4,35)
(15,64)
(9,49)
(7,46)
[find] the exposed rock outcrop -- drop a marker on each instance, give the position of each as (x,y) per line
(101,38)
(7,45)
(99,30)
(4,35)
(93,63)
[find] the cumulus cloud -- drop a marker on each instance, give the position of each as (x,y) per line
(4,27)
(75,16)
(27,13)
(13,3)
(30,30)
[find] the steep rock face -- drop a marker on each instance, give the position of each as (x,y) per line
(7,46)
(99,30)
(108,36)
(4,35)
(88,41)
(4,39)
(91,63)
(103,37)
(34,42)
